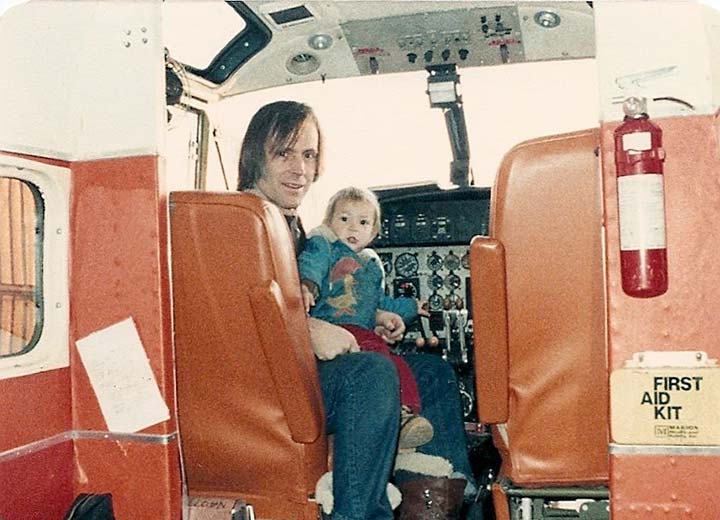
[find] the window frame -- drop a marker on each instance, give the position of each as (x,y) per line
(51,349)
(38,292)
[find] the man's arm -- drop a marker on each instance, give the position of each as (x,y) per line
(313,267)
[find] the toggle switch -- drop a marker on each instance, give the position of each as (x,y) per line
(374,65)
(504,53)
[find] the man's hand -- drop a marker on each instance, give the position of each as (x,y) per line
(389,326)
(329,341)
(308,297)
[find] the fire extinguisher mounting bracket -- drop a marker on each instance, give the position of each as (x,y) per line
(677,359)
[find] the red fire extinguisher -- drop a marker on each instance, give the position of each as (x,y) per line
(639,160)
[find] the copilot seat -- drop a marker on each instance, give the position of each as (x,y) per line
(538,310)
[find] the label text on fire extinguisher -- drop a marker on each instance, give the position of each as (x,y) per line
(641,206)
(637,141)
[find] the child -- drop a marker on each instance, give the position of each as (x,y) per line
(343,283)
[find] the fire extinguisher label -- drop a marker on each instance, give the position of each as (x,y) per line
(637,141)
(641,204)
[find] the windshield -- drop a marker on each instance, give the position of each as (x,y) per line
(381,130)
(185,30)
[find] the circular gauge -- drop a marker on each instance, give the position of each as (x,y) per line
(452,281)
(436,302)
(452,262)
(406,288)
(406,265)
(434,262)
(435,282)
(465,261)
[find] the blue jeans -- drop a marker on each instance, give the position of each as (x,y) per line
(361,393)
(440,398)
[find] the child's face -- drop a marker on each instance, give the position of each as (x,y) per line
(352,222)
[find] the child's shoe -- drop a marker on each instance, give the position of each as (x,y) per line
(415,430)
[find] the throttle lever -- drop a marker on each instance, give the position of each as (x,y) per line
(447,321)
(462,319)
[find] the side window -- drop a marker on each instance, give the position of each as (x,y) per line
(21,218)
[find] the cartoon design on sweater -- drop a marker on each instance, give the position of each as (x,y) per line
(343,272)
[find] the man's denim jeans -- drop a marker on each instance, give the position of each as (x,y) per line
(441,405)
(362,406)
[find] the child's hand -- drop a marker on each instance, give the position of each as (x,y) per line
(389,326)
(423,308)
(308,297)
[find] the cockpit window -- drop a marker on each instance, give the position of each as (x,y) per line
(185,25)
(21,213)
(212,39)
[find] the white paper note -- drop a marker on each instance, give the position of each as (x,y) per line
(120,374)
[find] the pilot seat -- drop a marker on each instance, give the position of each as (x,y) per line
(249,403)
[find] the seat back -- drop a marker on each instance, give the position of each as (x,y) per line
(539,314)
(249,402)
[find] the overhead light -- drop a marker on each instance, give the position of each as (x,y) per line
(442,93)
(547,19)
(320,42)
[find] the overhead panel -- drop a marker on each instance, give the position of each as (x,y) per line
(467,37)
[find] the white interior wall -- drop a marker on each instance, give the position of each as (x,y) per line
(82,80)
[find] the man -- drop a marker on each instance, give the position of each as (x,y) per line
(280,159)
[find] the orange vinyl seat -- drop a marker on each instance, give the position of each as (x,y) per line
(539,315)
(249,402)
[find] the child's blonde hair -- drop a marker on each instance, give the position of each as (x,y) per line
(354,194)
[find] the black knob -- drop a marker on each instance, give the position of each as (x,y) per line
(428,56)
(412,57)
(446,54)
(463,53)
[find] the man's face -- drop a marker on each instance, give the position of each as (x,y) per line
(352,222)
(290,172)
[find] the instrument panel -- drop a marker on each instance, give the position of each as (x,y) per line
(427,223)
(436,274)
(424,247)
